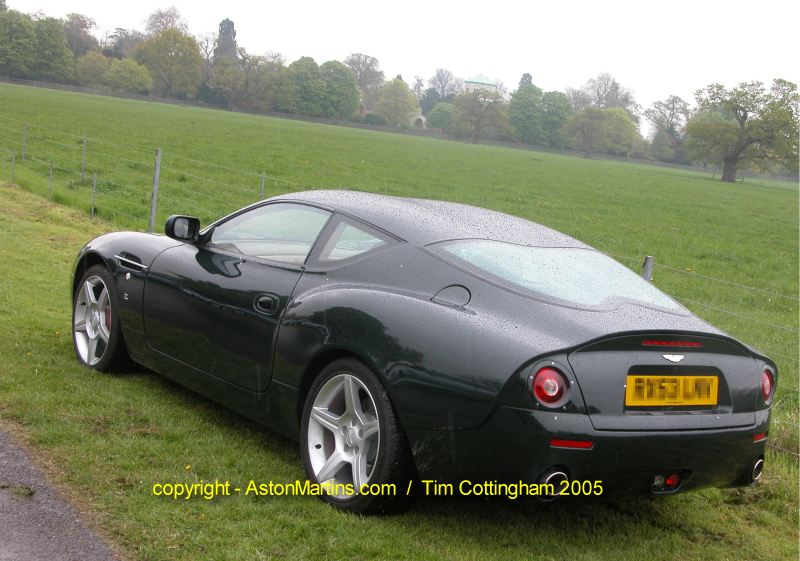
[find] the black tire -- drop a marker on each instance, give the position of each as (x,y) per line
(112,356)
(393,465)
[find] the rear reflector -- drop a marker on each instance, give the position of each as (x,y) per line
(759,437)
(579,444)
(660,343)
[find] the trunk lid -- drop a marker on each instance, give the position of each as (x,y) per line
(669,370)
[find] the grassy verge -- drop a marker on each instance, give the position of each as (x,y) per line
(110,438)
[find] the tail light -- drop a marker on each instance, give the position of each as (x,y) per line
(767,385)
(550,387)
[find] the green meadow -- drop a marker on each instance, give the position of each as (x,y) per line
(729,252)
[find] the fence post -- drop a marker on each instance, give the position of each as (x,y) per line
(83,160)
(94,193)
(50,183)
(647,267)
(25,142)
(154,197)
(13,159)
(261,190)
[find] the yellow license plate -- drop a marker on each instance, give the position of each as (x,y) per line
(647,390)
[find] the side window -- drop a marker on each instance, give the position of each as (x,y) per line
(351,239)
(281,232)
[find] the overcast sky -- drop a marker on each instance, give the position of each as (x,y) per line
(653,48)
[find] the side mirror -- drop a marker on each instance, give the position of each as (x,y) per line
(183,228)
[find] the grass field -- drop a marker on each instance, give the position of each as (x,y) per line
(112,437)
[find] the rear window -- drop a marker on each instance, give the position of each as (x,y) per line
(574,276)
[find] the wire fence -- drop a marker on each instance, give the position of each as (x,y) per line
(137,187)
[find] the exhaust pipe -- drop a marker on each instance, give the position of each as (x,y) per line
(556,478)
(758,467)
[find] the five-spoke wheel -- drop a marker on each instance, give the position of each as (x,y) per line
(95,326)
(92,320)
(343,432)
(352,443)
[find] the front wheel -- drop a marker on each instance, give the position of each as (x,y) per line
(96,331)
(352,443)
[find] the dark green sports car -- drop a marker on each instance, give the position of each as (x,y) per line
(406,340)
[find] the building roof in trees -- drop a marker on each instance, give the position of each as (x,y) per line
(481,79)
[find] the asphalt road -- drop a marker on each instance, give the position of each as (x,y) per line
(36,523)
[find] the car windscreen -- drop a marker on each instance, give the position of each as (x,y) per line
(572,276)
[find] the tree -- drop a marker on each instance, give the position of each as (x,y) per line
(231,78)
(17,44)
(341,90)
(397,104)
(3,6)
(91,69)
(525,113)
(174,62)
(444,83)
(206,45)
(588,129)
(428,101)
(479,111)
(123,43)
(669,115)
(226,46)
(526,80)
(442,116)
(620,130)
(53,61)
(128,76)
(368,75)
(77,29)
(603,92)
(556,113)
(275,58)
(308,87)
(746,125)
(662,146)
(668,119)
(419,87)
(161,20)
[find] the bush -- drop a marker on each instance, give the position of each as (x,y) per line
(374,119)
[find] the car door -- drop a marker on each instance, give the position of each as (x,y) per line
(217,306)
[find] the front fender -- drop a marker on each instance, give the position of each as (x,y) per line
(127,256)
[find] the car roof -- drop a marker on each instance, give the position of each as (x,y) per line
(424,221)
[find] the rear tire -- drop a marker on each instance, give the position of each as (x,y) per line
(96,331)
(350,436)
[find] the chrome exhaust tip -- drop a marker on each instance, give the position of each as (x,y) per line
(555,478)
(758,467)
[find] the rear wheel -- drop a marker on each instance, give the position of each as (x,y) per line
(96,331)
(352,442)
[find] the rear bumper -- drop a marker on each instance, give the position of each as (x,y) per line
(514,445)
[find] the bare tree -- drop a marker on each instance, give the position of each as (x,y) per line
(206,42)
(419,87)
(444,83)
(368,75)
(169,18)
(275,58)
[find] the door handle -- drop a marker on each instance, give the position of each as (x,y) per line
(267,303)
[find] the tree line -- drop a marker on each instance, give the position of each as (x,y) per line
(749,127)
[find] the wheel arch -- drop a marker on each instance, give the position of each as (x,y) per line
(84,263)
(315,367)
